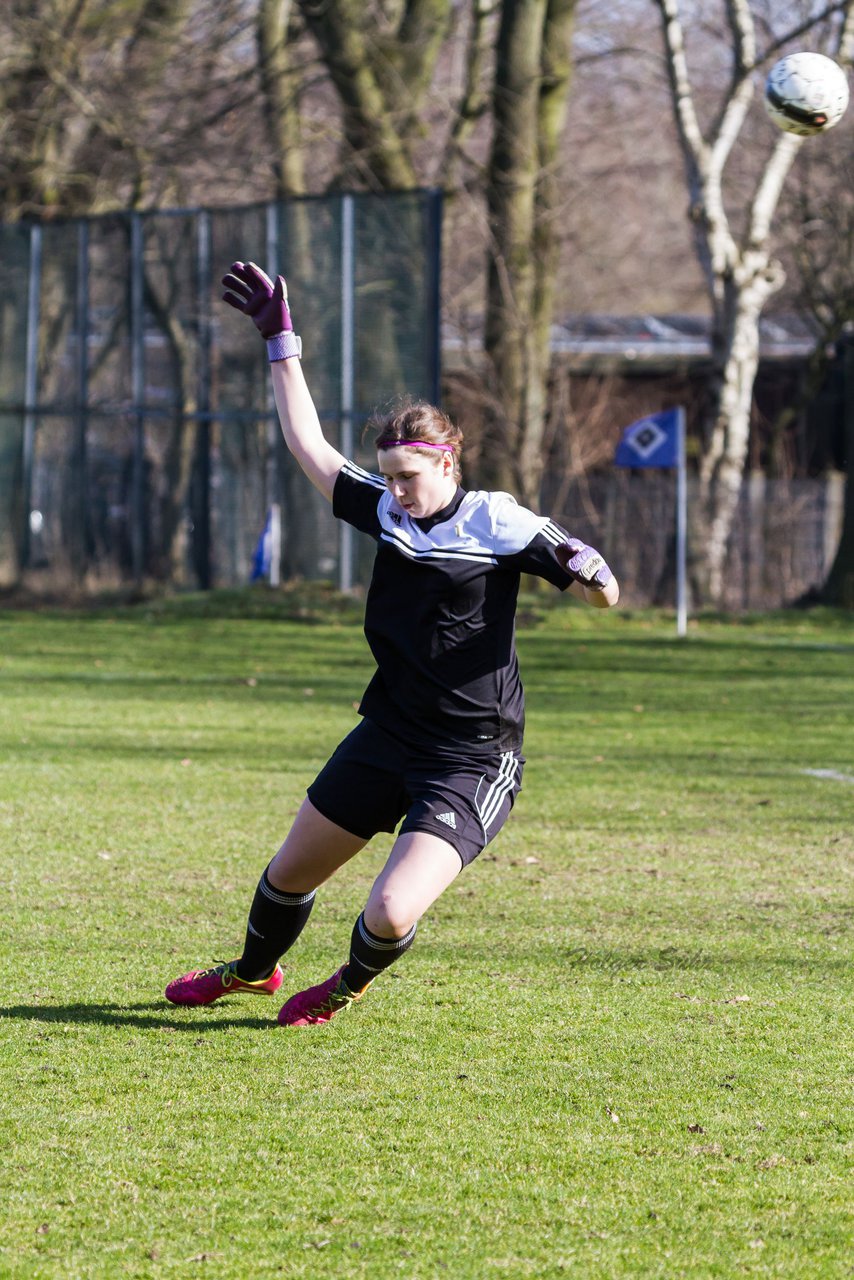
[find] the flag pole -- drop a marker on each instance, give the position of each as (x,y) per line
(681,527)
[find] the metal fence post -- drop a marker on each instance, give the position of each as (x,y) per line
(31,374)
(202,504)
(272,484)
(348,364)
(433,256)
(137,384)
(79,533)
(83,314)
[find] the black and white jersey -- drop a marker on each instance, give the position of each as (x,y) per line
(440,612)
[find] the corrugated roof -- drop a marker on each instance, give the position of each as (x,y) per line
(656,338)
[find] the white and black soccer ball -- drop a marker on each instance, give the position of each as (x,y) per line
(806,93)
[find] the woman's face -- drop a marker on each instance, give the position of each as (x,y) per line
(420,483)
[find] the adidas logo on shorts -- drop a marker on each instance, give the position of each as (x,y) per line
(448,819)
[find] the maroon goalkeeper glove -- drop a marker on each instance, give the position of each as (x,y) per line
(250,290)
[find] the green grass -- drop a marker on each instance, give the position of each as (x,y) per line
(619,1048)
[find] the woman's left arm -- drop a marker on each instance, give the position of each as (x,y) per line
(601,598)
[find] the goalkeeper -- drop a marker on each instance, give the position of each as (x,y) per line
(438,748)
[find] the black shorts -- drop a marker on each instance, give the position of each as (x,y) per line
(372,780)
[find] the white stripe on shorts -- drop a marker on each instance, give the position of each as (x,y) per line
(502,785)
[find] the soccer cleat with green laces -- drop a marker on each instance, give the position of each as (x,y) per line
(203,986)
(318,1004)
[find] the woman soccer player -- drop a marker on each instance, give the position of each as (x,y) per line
(441,735)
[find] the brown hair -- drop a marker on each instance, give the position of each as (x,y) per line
(418,421)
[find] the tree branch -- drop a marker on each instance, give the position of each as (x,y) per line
(474,101)
(339,27)
(694,148)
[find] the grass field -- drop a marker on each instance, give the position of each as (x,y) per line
(621,1046)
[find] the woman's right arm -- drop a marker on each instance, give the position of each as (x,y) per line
(251,291)
(301,427)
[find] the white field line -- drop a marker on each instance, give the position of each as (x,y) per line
(833,774)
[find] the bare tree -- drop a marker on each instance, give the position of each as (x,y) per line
(737,255)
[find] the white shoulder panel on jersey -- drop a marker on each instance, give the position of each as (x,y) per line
(461,537)
(356,472)
(484,527)
(513,527)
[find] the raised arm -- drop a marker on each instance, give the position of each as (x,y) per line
(251,291)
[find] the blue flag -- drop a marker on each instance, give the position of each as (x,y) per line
(263,553)
(650,442)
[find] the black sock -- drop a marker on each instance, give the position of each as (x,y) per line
(369,955)
(276,920)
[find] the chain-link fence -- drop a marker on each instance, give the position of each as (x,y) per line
(139,441)
(138,438)
(783,542)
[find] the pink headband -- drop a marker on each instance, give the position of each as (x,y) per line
(417,444)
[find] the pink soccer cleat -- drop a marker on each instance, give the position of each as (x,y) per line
(318,1004)
(203,986)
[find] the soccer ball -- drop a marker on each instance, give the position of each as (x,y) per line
(806,93)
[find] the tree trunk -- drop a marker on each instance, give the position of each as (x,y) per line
(724,457)
(280,97)
(551,117)
(177,472)
(180,452)
(373,129)
(839,587)
(12,516)
(531,84)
